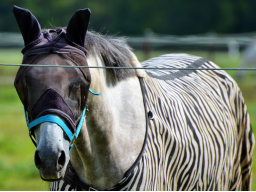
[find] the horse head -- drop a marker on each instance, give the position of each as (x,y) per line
(54,99)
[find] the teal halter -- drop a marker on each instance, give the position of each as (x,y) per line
(54,119)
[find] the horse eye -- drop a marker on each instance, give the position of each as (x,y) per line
(75,86)
(24,83)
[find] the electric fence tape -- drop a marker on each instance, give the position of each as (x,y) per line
(104,67)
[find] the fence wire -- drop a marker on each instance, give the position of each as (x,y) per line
(145,68)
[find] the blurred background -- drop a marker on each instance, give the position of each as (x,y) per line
(223,31)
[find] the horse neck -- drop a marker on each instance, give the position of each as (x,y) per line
(113,136)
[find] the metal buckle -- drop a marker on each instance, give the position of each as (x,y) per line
(71,144)
(92,189)
(73,139)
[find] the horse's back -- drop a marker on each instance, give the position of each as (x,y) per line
(200,128)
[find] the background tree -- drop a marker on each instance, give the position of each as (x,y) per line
(132,17)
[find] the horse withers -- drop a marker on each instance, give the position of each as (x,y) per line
(128,129)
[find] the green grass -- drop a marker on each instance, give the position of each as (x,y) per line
(17,170)
(10,56)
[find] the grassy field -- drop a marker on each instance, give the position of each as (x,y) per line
(17,170)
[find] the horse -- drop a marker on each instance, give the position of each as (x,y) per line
(101,120)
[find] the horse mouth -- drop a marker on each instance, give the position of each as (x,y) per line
(52,176)
(52,180)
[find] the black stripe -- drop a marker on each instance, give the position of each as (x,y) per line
(195,64)
(63,186)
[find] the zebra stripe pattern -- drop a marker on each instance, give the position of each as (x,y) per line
(61,186)
(199,136)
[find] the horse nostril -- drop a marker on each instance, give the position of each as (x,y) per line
(62,159)
(37,160)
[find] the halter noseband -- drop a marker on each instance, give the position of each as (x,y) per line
(54,119)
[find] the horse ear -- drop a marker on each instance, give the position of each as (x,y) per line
(28,24)
(77,26)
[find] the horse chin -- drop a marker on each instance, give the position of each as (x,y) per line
(51,175)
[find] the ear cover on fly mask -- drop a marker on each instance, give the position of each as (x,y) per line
(77,26)
(28,24)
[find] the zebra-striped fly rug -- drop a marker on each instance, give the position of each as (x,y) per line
(198,132)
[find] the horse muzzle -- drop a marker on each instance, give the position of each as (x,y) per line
(52,153)
(50,168)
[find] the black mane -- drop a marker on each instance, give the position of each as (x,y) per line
(114,52)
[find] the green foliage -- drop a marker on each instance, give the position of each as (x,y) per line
(133,16)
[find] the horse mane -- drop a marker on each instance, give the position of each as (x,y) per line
(113,50)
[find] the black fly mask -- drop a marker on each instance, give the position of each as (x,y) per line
(67,44)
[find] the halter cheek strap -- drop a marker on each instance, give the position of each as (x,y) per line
(94,92)
(54,119)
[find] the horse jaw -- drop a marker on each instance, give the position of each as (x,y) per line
(52,153)
(114,131)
